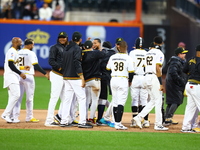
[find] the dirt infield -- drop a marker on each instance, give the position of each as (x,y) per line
(41,115)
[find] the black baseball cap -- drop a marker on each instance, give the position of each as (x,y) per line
(107,44)
(180,50)
(198,48)
(88,44)
(62,35)
(76,36)
(118,40)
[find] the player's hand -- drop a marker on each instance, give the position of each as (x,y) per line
(161,88)
(89,38)
(129,84)
(47,76)
(83,83)
(23,76)
(27,68)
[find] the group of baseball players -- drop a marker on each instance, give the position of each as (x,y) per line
(19,71)
(82,75)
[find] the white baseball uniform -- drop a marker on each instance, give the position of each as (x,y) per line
(139,93)
(11,81)
(153,57)
(121,65)
(26,57)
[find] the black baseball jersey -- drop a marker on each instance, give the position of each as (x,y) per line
(56,57)
(192,68)
(71,65)
(104,61)
(91,64)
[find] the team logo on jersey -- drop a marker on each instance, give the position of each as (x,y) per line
(39,37)
(161,59)
(12,54)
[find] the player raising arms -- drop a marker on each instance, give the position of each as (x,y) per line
(153,82)
(120,65)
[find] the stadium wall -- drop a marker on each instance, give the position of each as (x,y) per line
(45,34)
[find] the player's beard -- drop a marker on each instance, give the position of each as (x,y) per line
(18,46)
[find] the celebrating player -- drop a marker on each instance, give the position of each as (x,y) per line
(139,93)
(56,76)
(27,58)
(92,74)
(120,65)
(153,82)
(11,78)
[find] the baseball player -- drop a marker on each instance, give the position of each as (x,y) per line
(192,68)
(153,82)
(26,57)
(91,72)
(56,77)
(118,40)
(120,65)
(74,82)
(105,81)
(139,93)
(12,77)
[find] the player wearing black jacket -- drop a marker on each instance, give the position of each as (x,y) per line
(91,71)
(105,80)
(56,77)
(74,82)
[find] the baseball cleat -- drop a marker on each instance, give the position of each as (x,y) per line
(15,120)
(33,120)
(133,124)
(196,129)
(85,125)
(146,124)
(160,128)
(138,121)
(57,118)
(66,125)
(188,131)
(120,126)
(7,119)
(53,124)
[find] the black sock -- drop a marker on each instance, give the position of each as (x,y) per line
(115,113)
(134,110)
(100,109)
(120,110)
(140,108)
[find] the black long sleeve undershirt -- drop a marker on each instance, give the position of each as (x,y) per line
(13,67)
(38,68)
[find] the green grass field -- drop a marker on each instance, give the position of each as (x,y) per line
(27,139)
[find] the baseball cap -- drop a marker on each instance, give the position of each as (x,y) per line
(118,40)
(107,44)
(76,36)
(88,44)
(62,35)
(198,48)
(180,50)
(139,42)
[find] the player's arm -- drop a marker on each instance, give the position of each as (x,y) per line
(39,68)
(52,58)
(13,68)
(159,75)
